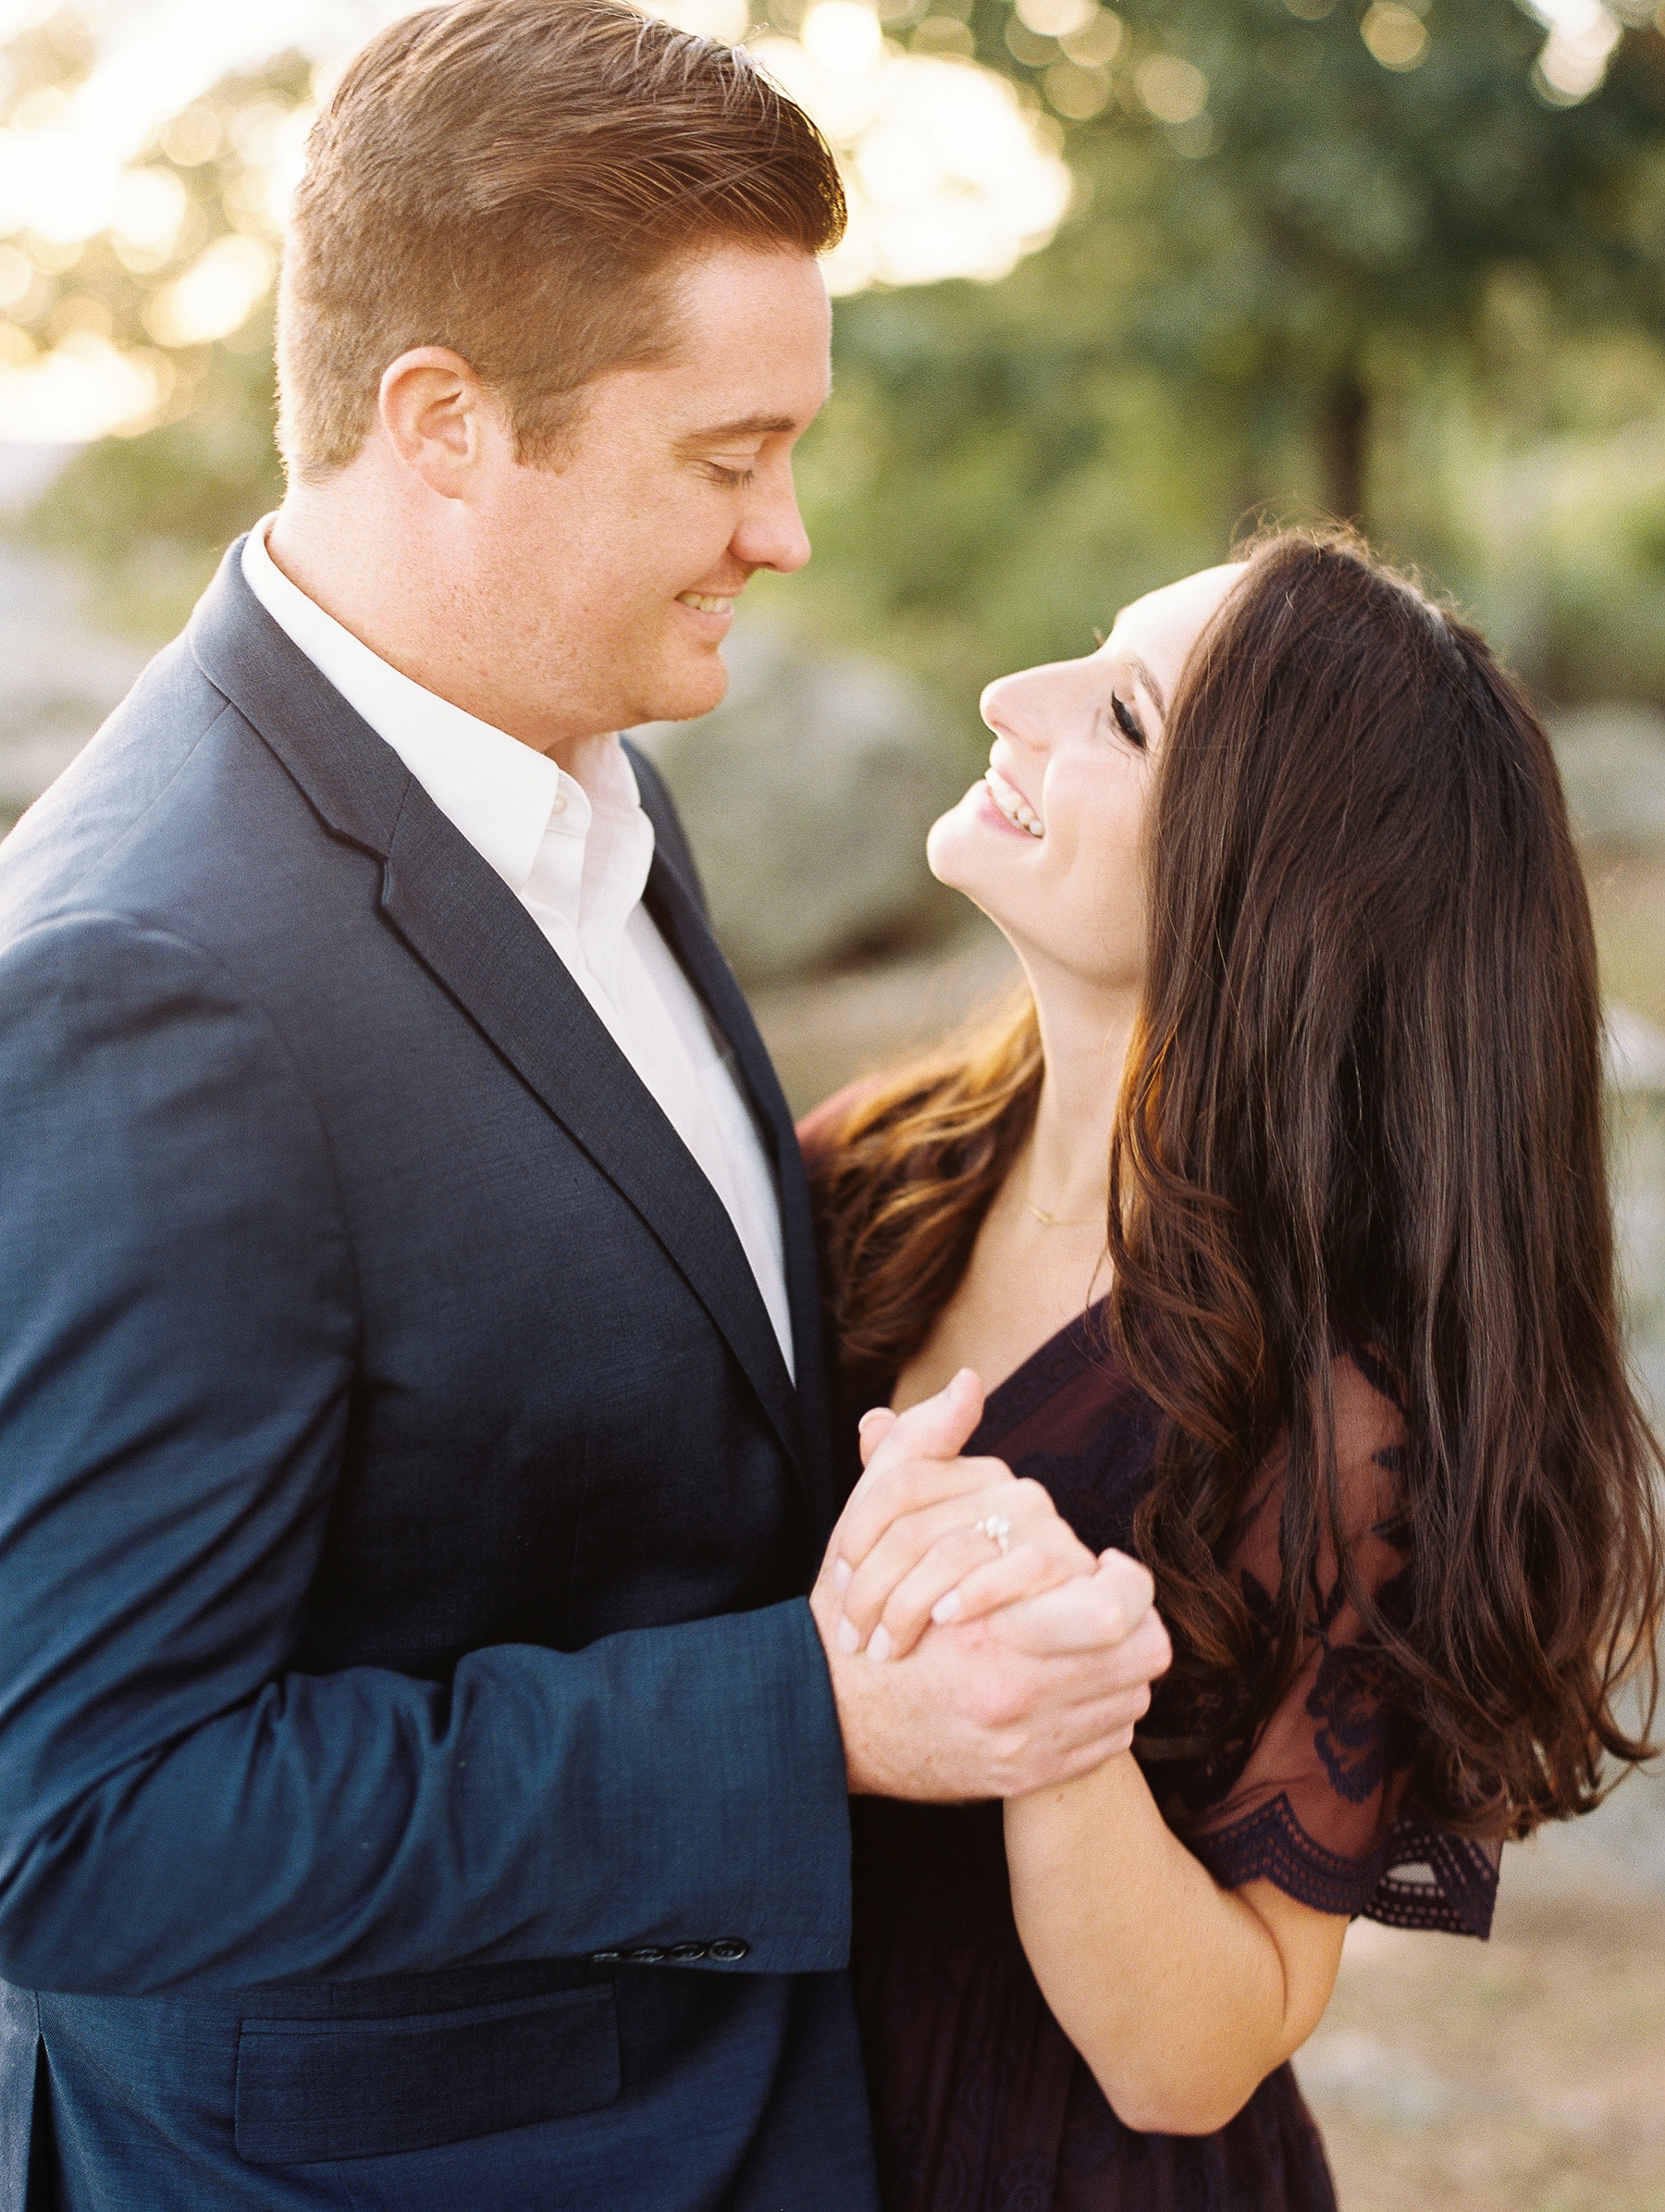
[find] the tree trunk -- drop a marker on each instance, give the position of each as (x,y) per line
(1344,445)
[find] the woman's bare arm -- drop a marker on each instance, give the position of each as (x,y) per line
(1182,1996)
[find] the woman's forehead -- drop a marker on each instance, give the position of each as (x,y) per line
(1165,623)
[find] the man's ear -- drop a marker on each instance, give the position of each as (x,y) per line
(438,417)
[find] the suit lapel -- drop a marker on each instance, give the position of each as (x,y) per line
(465,925)
(469,930)
(681,922)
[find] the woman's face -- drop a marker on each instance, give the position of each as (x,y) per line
(1049,842)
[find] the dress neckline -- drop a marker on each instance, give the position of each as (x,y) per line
(1083,1342)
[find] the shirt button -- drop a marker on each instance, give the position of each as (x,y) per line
(558,804)
(729,1949)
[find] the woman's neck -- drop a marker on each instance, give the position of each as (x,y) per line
(1085,1033)
(1040,1259)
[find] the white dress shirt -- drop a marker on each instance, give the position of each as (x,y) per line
(574,849)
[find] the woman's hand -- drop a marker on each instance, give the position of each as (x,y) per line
(928,1536)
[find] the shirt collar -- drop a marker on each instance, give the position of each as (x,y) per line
(498,793)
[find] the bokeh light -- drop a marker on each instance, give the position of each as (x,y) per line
(953,169)
(1583,35)
(948,175)
(1396,35)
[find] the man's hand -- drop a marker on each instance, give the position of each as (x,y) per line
(1048,1664)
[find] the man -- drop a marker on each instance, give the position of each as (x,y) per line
(421,1781)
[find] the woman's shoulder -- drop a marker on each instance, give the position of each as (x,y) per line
(1367,1428)
(1367,1409)
(821,1131)
(1358,1406)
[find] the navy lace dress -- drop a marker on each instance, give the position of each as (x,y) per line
(980,2103)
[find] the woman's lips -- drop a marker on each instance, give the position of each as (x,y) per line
(983,800)
(1011,804)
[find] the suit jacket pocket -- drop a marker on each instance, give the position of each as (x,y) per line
(315,2088)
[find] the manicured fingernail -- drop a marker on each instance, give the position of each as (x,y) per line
(880,1643)
(843,1574)
(945,1607)
(873,1413)
(848,1639)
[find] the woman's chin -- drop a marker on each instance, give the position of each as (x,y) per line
(972,846)
(957,854)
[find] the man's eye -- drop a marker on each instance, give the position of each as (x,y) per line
(1126,722)
(733,472)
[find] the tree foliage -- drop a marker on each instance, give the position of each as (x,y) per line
(1273,260)
(1322,215)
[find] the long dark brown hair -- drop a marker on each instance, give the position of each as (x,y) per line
(1362,1111)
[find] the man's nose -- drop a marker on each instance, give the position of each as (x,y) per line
(771,532)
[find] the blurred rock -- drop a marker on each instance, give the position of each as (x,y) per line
(26,471)
(1634,1051)
(824,1031)
(1612,762)
(807,796)
(59,674)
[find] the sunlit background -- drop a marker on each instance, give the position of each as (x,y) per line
(1118,280)
(117,108)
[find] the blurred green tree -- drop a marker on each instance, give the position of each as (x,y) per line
(1289,212)
(152,510)
(1332,189)
(1283,244)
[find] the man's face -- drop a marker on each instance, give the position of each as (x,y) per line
(605,580)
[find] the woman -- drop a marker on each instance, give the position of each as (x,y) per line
(1276,1213)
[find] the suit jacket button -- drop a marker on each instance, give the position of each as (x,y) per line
(729,1949)
(684,1954)
(647,1954)
(606,1957)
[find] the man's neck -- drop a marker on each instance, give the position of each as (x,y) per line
(356,551)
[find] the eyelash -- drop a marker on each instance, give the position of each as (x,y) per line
(734,476)
(1126,722)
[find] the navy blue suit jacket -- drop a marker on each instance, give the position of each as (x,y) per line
(419,1779)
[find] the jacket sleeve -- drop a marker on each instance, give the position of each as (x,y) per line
(178,1807)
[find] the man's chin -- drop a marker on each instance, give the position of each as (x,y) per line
(685,694)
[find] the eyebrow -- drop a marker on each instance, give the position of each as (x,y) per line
(1150,682)
(746,425)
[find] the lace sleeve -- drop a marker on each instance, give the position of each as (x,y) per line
(1321,1804)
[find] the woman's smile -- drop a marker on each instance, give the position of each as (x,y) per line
(1013,806)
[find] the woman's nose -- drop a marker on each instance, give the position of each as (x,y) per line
(1015,706)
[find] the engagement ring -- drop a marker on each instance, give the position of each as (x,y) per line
(997,1529)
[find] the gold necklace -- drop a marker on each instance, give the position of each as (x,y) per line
(1052,1221)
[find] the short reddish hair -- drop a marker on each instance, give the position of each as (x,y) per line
(514,180)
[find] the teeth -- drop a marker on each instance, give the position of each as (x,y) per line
(1013,804)
(705,604)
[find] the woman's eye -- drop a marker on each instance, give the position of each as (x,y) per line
(1126,722)
(726,473)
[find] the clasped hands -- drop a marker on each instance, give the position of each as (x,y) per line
(965,1666)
